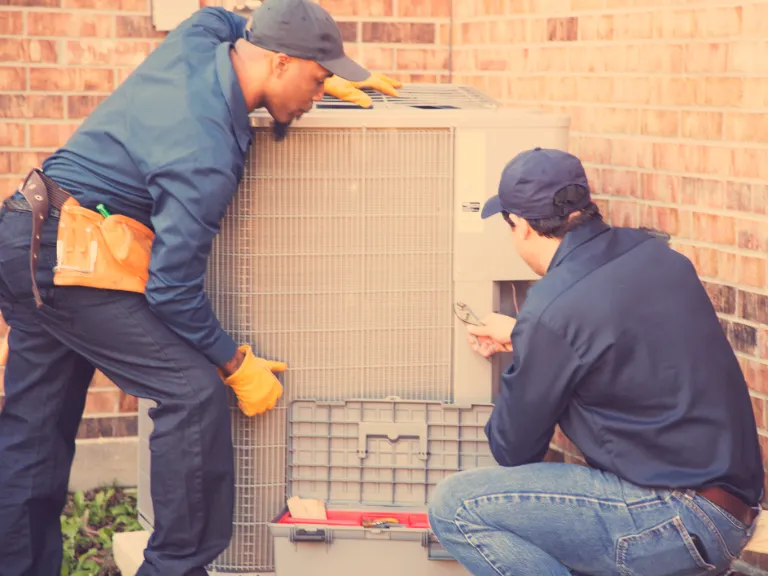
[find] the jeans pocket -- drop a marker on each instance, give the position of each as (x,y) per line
(664,550)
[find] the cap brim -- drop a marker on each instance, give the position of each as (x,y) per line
(492,206)
(346,68)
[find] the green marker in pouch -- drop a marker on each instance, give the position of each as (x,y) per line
(103,211)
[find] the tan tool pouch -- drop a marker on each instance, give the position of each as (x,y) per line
(111,253)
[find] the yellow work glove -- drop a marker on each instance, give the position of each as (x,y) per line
(256,387)
(351,91)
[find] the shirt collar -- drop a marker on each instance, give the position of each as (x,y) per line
(577,237)
(233,94)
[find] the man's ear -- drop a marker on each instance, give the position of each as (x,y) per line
(280,64)
(523,228)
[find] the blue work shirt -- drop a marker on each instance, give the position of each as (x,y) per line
(619,343)
(168,149)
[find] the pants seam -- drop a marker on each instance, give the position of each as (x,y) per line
(472,542)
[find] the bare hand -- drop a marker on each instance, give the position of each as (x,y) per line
(495,336)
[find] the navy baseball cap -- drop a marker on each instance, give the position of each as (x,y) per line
(303,29)
(530,181)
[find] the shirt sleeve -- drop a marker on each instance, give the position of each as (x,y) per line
(217,23)
(190,199)
(534,391)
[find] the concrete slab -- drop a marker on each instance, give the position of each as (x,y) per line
(105,461)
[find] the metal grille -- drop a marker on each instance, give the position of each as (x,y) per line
(423,96)
(336,256)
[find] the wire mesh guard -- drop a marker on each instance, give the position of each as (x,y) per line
(336,257)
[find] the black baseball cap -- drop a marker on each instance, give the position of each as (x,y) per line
(303,29)
(530,181)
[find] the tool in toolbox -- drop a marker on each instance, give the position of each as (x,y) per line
(382,523)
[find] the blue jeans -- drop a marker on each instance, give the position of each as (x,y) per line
(52,355)
(560,519)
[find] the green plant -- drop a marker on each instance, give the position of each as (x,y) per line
(88,522)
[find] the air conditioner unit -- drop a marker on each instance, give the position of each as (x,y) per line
(343,254)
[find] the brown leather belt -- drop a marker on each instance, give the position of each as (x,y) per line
(42,194)
(730,503)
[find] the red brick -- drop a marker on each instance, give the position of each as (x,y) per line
(492,7)
(128,403)
(675,24)
(525,88)
(596,27)
(22,162)
(596,59)
(490,60)
(595,89)
(409,33)
(760,198)
(753,235)
(594,150)
(615,120)
(764,343)
(746,127)
(655,58)
(660,218)
(12,78)
(752,271)
(755,17)
(25,50)
(635,26)
(624,213)
(726,266)
(702,125)
(666,156)
(723,92)
(503,31)
(562,29)
(748,56)
(706,57)
(356,8)
(705,260)
(719,22)
(71,79)
(11,22)
(12,135)
(50,135)
(716,229)
(140,26)
(715,161)
(620,183)
(663,123)
(68,24)
(101,381)
(101,401)
(426,59)
(702,192)
(378,57)
(31,106)
(107,52)
(424,8)
(577,5)
(632,90)
(81,106)
(750,163)
(755,94)
(32,3)
(474,32)
(677,91)
(738,196)
(660,187)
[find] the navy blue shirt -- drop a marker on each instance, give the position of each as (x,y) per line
(619,343)
(168,149)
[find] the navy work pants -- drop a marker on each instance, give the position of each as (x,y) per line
(53,352)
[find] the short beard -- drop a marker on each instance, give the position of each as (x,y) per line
(280,130)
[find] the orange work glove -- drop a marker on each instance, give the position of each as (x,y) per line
(256,387)
(351,91)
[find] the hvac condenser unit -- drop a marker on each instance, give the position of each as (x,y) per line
(343,253)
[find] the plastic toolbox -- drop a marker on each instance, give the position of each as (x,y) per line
(368,459)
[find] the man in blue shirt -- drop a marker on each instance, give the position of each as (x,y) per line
(160,159)
(619,344)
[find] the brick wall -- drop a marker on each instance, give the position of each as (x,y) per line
(668,100)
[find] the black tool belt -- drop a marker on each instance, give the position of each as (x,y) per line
(44,198)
